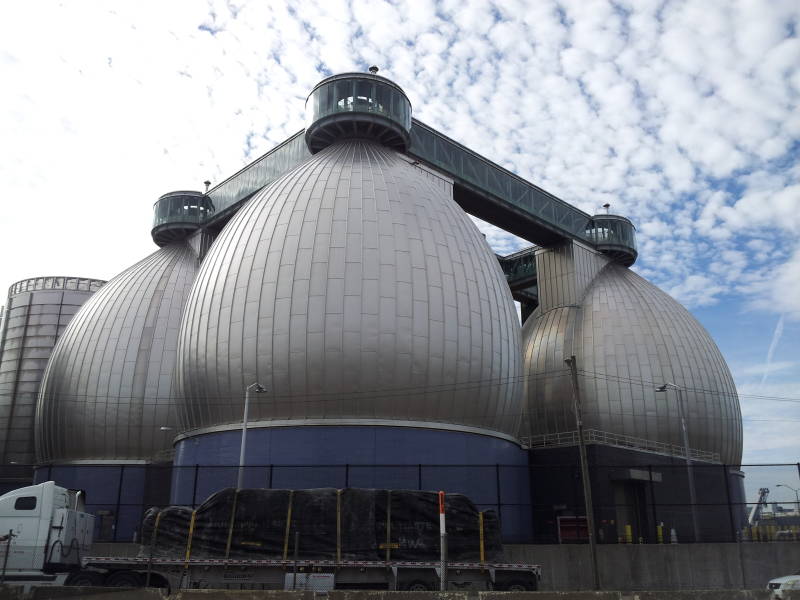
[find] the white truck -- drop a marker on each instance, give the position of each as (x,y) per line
(44,534)
(49,538)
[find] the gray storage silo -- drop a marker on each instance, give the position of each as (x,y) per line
(36,314)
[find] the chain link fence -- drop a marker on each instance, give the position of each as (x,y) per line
(543,504)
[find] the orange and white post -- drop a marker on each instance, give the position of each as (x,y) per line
(442,546)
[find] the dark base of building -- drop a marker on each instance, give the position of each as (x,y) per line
(637,497)
(491,471)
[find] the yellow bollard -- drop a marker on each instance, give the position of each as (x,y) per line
(628,534)
(660,534)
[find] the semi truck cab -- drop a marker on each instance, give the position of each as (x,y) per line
(44,530)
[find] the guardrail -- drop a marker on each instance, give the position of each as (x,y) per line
(607,438)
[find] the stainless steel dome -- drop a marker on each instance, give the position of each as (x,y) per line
(108,388)
(629,337)
(356,291)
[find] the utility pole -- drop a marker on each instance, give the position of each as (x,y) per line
(243,446)
(688,452)
(587,485)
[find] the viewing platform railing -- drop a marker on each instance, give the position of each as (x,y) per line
(607,438)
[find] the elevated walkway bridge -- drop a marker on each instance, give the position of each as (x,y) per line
(481,187)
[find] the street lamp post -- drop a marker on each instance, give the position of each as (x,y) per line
(258,389)
(796,496)
(584,463)
(687,453)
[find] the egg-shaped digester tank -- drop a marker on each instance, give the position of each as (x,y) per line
(107,392)
(355,291)
(630,338)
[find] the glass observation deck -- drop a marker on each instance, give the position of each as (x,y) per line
(615,236)
(357,105)
(178,214)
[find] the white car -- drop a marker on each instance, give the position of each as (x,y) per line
(779,584)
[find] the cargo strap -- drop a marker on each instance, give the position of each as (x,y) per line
(338,526)
(189,540)
(152,547)
(155,529)
(480,530)
(231,523)
(288,526)
(388,525)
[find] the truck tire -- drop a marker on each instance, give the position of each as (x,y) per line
(124,579)
(85,579)
(418,585)
(519,585)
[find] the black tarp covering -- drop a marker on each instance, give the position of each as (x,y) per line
(360,523)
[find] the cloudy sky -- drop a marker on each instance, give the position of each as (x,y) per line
(683,115)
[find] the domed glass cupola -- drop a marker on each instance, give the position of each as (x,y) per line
(177,215)
(614,236)
(363,105)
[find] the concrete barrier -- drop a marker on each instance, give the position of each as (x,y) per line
(661,566)
(57,592)
(387,595)
(658,595)
(703,595)
(96,593)
(576,595)
(11,592)
(241,595)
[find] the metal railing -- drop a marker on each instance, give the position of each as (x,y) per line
(81,284)
(608,438)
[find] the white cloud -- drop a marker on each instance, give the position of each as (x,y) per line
(775,367)
(696,290)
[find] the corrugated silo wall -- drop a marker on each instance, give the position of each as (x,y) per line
(36,314)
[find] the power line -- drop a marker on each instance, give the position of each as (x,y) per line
(444,387)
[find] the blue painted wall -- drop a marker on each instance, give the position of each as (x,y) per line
(362,456)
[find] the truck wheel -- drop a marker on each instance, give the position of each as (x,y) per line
(418,585)
(519,585)
(124,579)
(85,579)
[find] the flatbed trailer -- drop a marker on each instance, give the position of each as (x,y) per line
(315,575)
(48,542)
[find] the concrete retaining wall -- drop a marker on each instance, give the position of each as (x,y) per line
(57,593)
(662,595)
(661,567)
(93,593)
(577,595)
(241,595)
